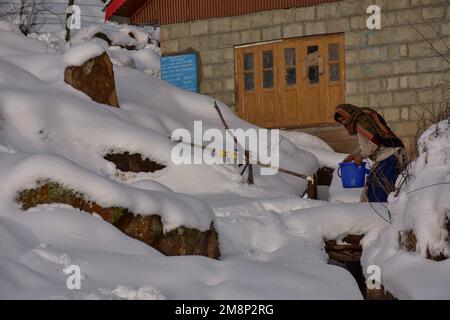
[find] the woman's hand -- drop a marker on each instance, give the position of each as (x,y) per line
(356,158)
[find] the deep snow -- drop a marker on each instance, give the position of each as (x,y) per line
(51,131)
(271,239)
(422,205)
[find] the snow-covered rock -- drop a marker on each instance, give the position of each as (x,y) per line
(90,70)
(127,46)
(420,211)
(81,53)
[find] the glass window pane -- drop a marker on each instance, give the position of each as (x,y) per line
(248,61)
(289,55)
(249,82)
(267,59)
(313,49)
(291,77)
(268,79)
(334,72)
(333,51)
(313,74)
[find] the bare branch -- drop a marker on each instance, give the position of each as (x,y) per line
(426,39)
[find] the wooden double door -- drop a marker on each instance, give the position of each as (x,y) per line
(291,83)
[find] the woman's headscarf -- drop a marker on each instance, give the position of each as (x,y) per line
(369,123)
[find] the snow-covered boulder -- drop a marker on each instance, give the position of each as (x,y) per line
(420,230)
(171,223)
(127,46)
(81,53)
(90,70)
(130,38)
(422,208)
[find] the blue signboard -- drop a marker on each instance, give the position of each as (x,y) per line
(181,71)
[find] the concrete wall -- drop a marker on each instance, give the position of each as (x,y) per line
(393,70)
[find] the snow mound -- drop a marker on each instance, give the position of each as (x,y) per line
(319,148)
(142,37)
(79,54)
(144,55)
(122,59)
(10,27)
(422,207)
(24,171)
(126,36)
(142,293)
(12,43)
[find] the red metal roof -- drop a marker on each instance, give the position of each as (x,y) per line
(113,7)
(176,11)
(124,8)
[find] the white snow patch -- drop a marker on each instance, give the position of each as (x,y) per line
(423,206)
(80,53)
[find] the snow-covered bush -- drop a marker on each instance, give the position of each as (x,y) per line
(420,225)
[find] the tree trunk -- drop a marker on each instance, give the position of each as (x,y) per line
(23,17)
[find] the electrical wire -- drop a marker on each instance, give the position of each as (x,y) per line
(426,187)
(409,192)
(379,214)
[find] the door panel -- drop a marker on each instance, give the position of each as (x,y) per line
(248,106)
(268,73)
(312,81)
(335,74)
(291,83)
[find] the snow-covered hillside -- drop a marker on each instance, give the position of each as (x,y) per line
(270,238)
(52,131)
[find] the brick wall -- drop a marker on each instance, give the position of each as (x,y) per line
(393,69)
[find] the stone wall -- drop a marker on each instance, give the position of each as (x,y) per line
(392,69)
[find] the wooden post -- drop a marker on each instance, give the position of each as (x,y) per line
(247,153)
(312,188)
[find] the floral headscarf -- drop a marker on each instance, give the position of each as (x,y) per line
(369,123)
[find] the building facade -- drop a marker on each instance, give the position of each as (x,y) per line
(288,63)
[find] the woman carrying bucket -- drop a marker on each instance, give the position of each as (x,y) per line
(376,142)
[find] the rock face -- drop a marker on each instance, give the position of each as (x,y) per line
(127,162)
(408,241)
(148,228)
(95,78)
(349,251)
(379,294)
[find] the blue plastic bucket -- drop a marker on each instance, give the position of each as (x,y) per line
(351,175)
